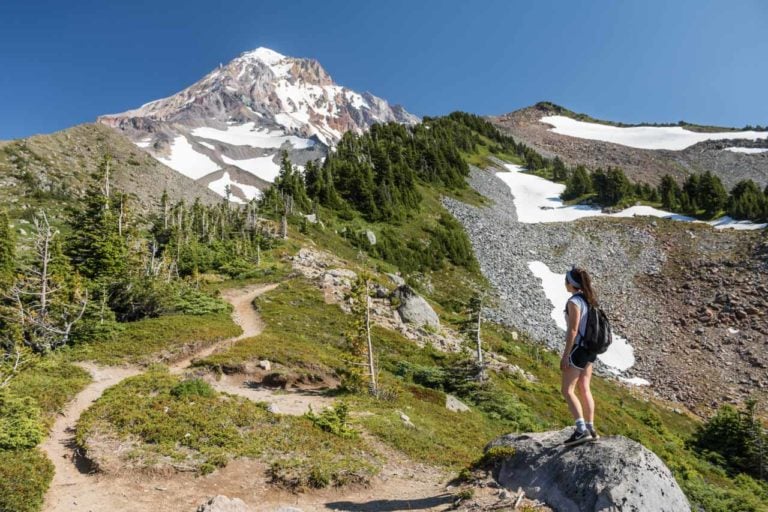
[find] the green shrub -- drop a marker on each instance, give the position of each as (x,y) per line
(493,457)
(24,478)
(738,438)
(333,420)
(192,387)
(20,423)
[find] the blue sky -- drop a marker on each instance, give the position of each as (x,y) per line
(64,63)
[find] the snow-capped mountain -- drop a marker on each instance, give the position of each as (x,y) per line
(229,128)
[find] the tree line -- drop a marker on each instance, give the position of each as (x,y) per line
(701,195)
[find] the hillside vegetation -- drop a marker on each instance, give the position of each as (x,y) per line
(140,289)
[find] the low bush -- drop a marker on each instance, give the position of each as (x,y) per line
(24,478)
(20,422)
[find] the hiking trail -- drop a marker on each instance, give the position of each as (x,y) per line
(402,484)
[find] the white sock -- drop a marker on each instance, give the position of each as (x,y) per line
(580,425)
(590,425)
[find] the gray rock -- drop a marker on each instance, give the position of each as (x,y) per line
(414,309)
(285,508)
(265,365)
(273,409)
(399,281)
(614,473)
(224,504)
(371,236)
(454,404)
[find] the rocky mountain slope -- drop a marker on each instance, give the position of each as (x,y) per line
(51,171)
(690,299)
(678,151)
(242,114)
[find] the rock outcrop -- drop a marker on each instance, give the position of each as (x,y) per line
(414,309)
(612,474)
(224,504)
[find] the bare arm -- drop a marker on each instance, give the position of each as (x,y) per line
(574,315)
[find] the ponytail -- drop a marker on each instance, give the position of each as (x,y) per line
(585,281)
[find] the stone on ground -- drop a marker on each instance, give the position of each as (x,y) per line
(614,473)
(224,504)
(414,309)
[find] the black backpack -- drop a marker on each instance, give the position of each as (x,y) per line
(597,335)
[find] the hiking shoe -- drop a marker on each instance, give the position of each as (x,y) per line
(578,438)
(593,433)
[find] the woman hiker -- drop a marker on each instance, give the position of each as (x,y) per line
(576,363)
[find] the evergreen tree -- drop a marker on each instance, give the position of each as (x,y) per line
(559,171)
(98,245)
(611,187)
(290,182)
(747,202)
(7,251)
(689,198)
(579,184)
(670,193)
(712,196)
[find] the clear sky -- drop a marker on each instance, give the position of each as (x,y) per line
(66,62)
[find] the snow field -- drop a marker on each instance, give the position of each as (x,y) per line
(673,138)
(748,151)
(247,135)
(263,167)
(219,186)
(187,161)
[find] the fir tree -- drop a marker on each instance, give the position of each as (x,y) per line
(712,196)
(579,184)
(7,251)
(747,202)
(670,193)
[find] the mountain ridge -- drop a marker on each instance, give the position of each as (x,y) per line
(640,164)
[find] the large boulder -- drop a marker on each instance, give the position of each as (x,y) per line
(224,504)
(611,474)
(414,309)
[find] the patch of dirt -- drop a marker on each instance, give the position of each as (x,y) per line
(293,401)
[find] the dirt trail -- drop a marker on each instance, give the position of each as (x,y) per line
(402,484)
(71,476)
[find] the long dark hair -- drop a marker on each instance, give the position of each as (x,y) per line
(582,277)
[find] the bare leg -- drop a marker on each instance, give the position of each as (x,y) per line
(584,380)
(570,378)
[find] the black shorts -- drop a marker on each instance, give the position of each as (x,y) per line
(581,357)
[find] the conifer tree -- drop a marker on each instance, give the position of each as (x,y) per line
(579,184)
(97,245)
(747,202)
(712,196)
(669,191)
(7,251)
(359,338)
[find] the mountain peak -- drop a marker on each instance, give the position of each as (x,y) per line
(265,55)
(236,120)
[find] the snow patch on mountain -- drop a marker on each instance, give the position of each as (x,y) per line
(263,167)
(673,138)
(748,151)
(249,135)
(187,161)
(220,187)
